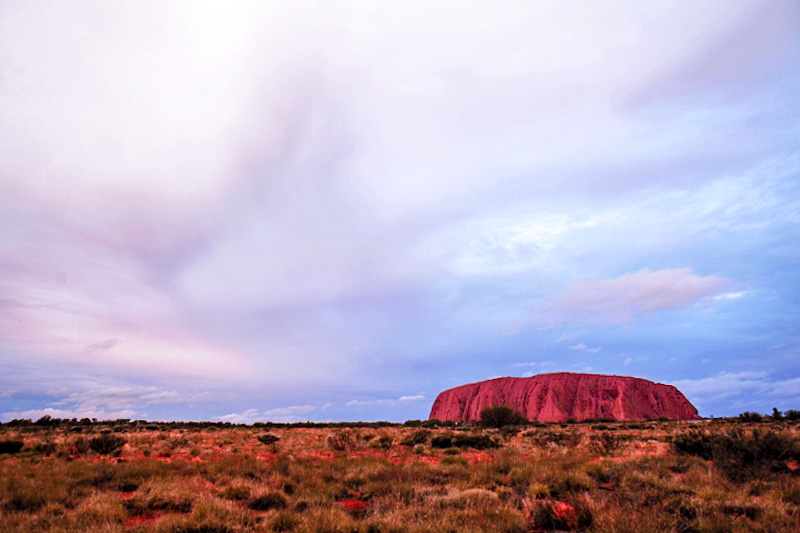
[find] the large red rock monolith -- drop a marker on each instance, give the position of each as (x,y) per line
(562,396)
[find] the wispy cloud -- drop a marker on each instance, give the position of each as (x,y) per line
(102,346)
(293,413)
(581,347)
(385,402)
(621,299)
(739,384)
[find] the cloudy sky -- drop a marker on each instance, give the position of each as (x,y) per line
(336,210)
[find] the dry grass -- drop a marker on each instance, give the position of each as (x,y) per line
(660,477)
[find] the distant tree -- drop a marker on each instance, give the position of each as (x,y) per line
(46,420)
(747,416)
(500,416)
(776,415)
(792,414)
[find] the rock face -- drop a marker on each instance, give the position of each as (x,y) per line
(562,396)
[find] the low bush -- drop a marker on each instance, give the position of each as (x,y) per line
(747,416)
(268,438)
(442,441)
(542,439)
(738,454)
(464,440)
(285,521)
(10,446)
(342,440)
(792,414)
(500,416)
(421,436)
(605,443)
(106,443)
(268,501)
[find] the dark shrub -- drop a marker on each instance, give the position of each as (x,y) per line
(342,440)
(10,446)
(604,442)
(268,438)
(695,443)
(420,436)
(106,443)
(46,447)
(479,442)
(501,415)
(464,440)
(442,441)
(747,416)
(266,502)
(792,414)
(560,438)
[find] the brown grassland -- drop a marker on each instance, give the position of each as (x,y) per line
(709,476)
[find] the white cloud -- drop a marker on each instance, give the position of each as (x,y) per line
(581,347)
(630,360)
(385,402)
(292,413)
(415,398)
(247,417)
(731,295)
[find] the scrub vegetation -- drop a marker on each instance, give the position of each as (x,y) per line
(601,476)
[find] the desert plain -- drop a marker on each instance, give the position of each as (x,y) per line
(720,475)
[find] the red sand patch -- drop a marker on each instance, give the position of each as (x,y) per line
(356,508)
(144,519)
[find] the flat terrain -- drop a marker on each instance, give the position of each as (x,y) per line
(606,477)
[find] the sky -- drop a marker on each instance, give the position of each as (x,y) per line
(333,211)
